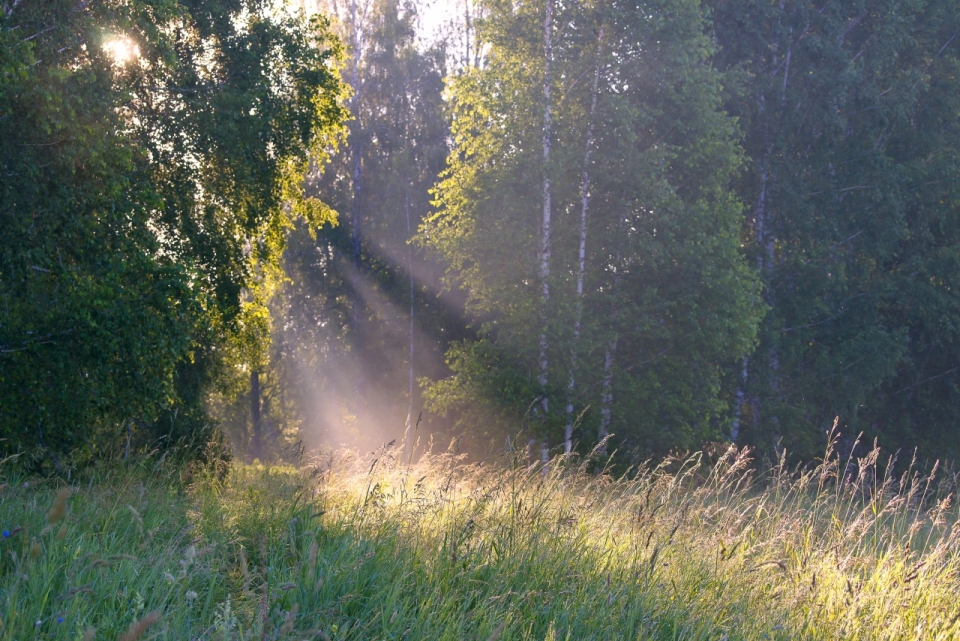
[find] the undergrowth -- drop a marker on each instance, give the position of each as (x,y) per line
(379,548)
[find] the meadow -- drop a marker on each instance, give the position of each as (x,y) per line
(379,547)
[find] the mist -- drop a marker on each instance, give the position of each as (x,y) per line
(586,227)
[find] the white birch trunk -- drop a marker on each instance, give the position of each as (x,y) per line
(408,432)
(606,397)
(582,267)
(544,249)
(354,142)
(356,176)
(466,32)
(610,355)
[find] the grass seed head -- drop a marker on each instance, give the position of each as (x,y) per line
(136,518)
(245,571)
(287,626)
(59,508)
(498,631)
(137,628)
(312,562)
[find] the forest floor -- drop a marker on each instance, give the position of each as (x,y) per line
(376,548)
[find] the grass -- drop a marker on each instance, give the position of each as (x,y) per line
(353,548)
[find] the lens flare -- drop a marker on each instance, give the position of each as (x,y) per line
(121,49)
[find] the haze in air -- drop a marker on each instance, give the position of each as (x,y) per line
(672,227)
(479,319)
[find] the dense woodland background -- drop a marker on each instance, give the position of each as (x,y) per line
(674,222)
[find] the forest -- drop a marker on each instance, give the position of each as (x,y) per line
(625,226)
(492,320)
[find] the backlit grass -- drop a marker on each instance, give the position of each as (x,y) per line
(377,548)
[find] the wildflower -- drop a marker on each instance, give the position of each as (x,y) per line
(191,595)
(6,534)
(59,619)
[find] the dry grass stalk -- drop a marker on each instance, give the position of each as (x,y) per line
(59,508)
(498,631)
(245,571)
(136,518)
(137,628)
(287,626)
(312,561)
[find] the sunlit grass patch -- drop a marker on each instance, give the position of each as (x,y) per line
(376,548)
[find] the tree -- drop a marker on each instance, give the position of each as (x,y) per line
(849,112)
(151,156)
(663,278)
(359,334)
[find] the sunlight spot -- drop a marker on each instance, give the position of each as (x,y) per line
(121,49)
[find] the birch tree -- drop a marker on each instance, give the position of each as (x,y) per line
(582,258)
(661,220)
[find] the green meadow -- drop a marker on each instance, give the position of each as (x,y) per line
(351,547)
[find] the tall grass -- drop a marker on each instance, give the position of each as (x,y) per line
(379,548)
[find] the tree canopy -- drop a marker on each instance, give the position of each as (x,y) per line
(662,223)
(151,155)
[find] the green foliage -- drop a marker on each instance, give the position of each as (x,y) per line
(158,157)
(485,394)
(664,276)
(341,339)
(137,197)
(849,112)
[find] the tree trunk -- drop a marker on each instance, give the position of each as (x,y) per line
(584,202)
(606,397)
(766,265)
(544,250)
(466,32)
(354,143)
(256,423)
(610,355)
(408,431)
(738,402)
(767,238)
(356,247)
